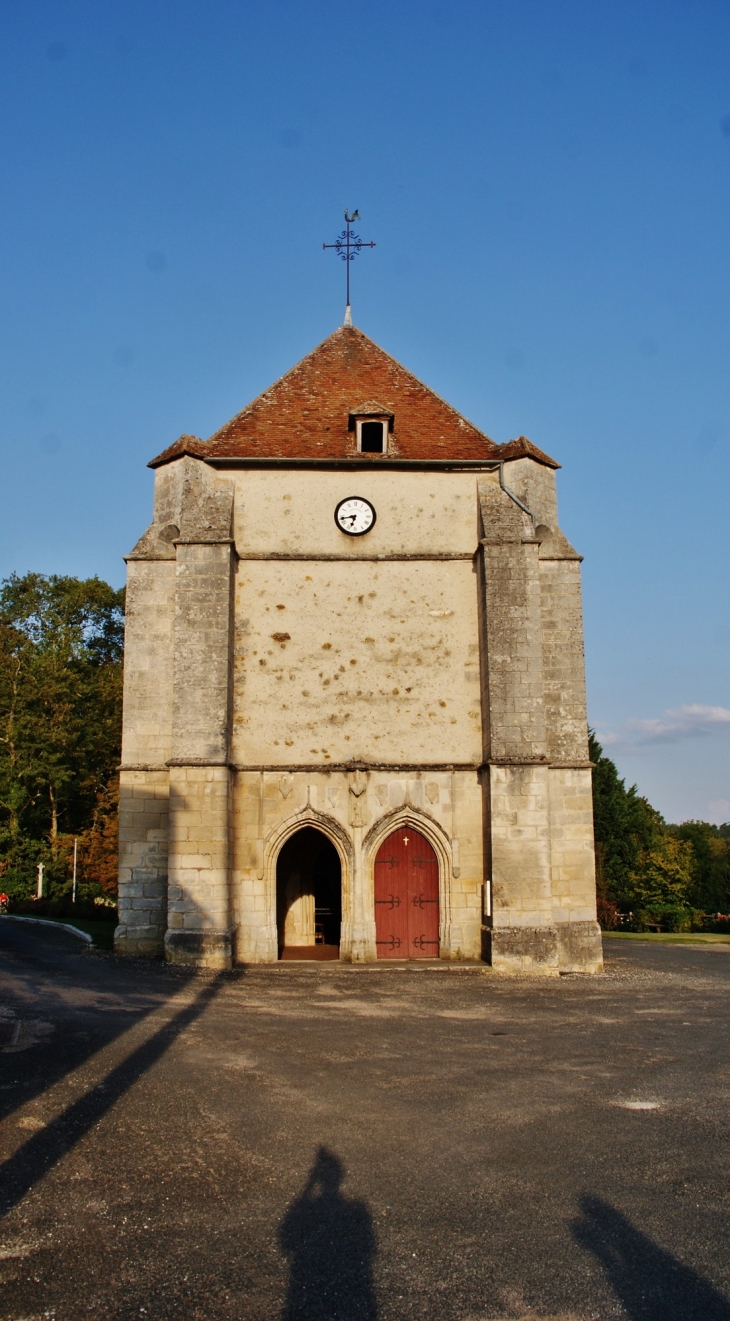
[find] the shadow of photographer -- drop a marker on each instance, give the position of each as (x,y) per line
(329,1241)
(650,1283)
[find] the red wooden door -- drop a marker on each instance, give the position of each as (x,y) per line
(406,897)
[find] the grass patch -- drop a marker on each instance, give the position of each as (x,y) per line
(671,937)
(102,933)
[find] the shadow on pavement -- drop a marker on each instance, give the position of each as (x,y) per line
(50,978)
(650,1283)
(329,1241)
(40,1153)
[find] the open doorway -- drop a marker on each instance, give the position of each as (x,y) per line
(308,897)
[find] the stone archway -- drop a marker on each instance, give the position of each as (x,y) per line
(308,896)
(410,817)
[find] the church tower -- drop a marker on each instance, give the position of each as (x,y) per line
(354,702)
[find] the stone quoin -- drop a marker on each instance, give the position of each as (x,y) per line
(354,629)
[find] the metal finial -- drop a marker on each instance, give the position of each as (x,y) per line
(348,245)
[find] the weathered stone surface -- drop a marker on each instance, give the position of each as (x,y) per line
(525,949)
(143,835)
(203,949)
(512,647)
(534,484)
(580,947)
(563,662)
(201,670)
(138,942)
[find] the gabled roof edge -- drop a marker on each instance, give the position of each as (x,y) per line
(183,445)
(353,330)
(522,448)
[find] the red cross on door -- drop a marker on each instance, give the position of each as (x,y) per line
(406,898)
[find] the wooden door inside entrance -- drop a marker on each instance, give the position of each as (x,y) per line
(308,897)
(406,897)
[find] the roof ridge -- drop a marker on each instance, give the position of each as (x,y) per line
(309,412)
(185,444)
(290,372)
(523,447)
(417,379)
(338,332)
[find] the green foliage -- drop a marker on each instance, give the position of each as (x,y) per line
(709,887)
(662,874)
(626,826)
(668,876)
(668,917)
(61,644)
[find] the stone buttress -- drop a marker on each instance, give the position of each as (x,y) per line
(537,776)
(175,777)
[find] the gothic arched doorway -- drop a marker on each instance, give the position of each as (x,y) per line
(308,897)
(406,897)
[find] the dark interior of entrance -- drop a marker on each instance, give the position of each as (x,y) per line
(308,897)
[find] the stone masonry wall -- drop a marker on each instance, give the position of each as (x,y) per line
(269,806)
(563,660)
(356,661)
(202,643)
(148,652)
(514,630)
(534,484)
(571,803)
(199,920)
(146,745)
(143,837)
(523,934)
(199,907)
(299,677)
(571,838)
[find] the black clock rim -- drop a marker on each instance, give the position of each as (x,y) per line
(347,532)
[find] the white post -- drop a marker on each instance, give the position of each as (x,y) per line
(73,897)
(39,894)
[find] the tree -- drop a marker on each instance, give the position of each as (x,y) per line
(98,847)
(642,862)
(627,828)
(61,645)
(710,869)
(662,875)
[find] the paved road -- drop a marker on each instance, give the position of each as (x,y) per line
(362,1144)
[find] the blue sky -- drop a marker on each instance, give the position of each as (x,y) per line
(548,185)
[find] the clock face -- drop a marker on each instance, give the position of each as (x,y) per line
(354,516)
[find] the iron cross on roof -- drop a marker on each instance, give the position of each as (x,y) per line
(349,245)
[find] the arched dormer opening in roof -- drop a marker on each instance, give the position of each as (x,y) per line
(372,424)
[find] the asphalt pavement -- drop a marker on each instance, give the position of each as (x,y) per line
(346,1144)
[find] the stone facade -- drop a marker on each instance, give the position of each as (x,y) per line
(429,675)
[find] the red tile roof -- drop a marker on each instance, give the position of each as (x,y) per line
(306,414)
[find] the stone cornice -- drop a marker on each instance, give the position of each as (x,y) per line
(346,767)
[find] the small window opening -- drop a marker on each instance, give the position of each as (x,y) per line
(372,437)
